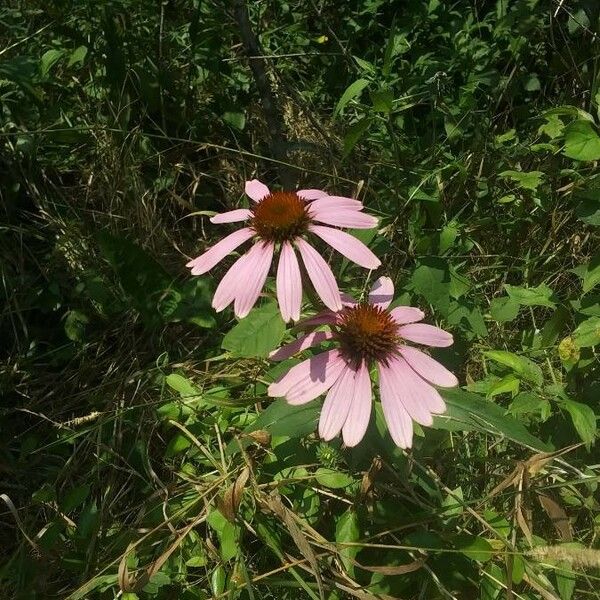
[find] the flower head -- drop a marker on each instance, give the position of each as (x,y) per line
(280,222)
(367,333)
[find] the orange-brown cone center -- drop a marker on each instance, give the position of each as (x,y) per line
(280,217)
(367,332)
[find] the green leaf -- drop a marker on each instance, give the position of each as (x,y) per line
(382,100)
(584,419)
(182,385)
(75,497)
(354,133)
(330,478)
(352,91)
(235,119)
(75,325)
(588,210)
(504,309)
(49,59)
(581,141)
(177,444)
(589,273)
(77,56)
(526,180)
(227,533)
(588,333)
(470,412)
(474,547)
(256,335)
(531,296)
(491,582)
(527,403)
(521,365)
(347,529)
(431,279)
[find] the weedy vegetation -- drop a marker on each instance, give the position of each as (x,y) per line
(140,454)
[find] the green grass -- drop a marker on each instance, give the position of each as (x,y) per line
(127,420)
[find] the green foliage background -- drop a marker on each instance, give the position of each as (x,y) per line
(140,455)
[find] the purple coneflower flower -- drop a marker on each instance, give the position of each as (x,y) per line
(367,333)
(280,221)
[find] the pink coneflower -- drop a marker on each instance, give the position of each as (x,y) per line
(367,333)
(281,221)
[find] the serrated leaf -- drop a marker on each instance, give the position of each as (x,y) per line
(352,91)
(531,296)
(521,365)
(526,180)
(581,141)
(256,335)
(587,333)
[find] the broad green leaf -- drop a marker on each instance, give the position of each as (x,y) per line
(182,385)
(256,335)
(491,582)
(468,412)
(235,119)
(49,59)
(587,333)
(588,210)
(77,56)
(352,91)
(330,478)
(347,529)
(177,444)
(526,180)
(75,497)
(227,533)
(431,279)
(584,419)
(527,403)
(504,309)
(581,141)
(474,547)
(531,296)
(519,364)
(509,384)
(382,100)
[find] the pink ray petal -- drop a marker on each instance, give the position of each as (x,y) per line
(302,343)
(348,300)
(326,317)
(310,378)
(253,279)
(398,420)
(345,218)
(337,404)
(219,251)
(336,202)
(232,216)
(428,368)
(289,284)
(226,290)
(311,194)
(256,190)
(407,314)
(347,245)
(418,398)
(382,292)
(320,274)
(359,415)
(421,333)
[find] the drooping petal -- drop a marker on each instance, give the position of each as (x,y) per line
(310,378)
(289,284)
(382,292)
(347,245)
(407,314)
(256,190)
(344,218)
(320,275)
(254,275)
(219,251)
(428,368)
(311,194)
(327,317)
(337,404)
(359,415)
(302,343)
(232,216)
(226,290)
(335,203)
(418,398)
(398,421)
(421,333)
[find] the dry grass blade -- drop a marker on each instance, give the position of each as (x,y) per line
(233,496)
(558,516)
